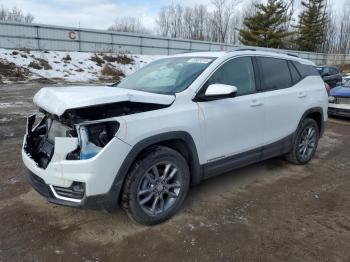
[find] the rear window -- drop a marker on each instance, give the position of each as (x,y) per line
(275,73)
(333,71)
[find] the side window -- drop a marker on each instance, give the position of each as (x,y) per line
(296,77)
(237,72)
(275,73)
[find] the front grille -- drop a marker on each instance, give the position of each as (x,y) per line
(75,191)
(342,100)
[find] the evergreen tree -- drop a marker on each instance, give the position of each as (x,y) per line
(312,25)
(267,26)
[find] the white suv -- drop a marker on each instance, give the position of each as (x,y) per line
(173,123)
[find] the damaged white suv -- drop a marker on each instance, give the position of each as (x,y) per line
(173,123)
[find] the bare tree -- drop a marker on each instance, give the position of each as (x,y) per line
(184,22)
(128,24)
(200,14)
(163,22)
(188,23)
(344,30)
(337,36)
(176,20)
(329,44)
(224,10)
(196,22)
(15,15)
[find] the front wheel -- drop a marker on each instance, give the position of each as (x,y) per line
(157,186)
(305,144)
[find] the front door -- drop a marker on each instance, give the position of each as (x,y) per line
(233,125)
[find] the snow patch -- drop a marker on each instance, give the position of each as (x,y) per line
(71,66)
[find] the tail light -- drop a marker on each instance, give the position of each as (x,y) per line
(328,88)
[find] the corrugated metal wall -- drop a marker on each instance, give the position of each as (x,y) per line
(47,37)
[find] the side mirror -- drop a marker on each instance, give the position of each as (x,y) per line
(218,91)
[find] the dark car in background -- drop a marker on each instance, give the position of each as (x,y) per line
(330,74)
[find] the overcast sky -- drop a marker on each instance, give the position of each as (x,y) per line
(99,14)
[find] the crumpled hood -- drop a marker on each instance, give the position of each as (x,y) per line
(340,91)
(56,100)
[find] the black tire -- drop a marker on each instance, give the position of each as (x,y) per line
(143,175)
(296,156)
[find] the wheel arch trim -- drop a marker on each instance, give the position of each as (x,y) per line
(311,111)
(196,169)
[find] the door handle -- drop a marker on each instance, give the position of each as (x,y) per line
(301,95)
(256,103)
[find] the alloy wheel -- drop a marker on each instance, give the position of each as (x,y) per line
(307,143)
(159,188)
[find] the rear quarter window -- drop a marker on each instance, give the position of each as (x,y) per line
(296,77)
(305,70)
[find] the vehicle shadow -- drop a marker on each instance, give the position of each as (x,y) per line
(237,180)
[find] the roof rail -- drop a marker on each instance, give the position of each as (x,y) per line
(244,49)
(263,49)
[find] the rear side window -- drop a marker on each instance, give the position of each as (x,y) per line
(237,72)
(296,77)
(306,70)
(275,73)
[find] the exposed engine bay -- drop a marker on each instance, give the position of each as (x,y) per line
(97,112)
(84,123)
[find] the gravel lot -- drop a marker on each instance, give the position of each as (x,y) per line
(271,211)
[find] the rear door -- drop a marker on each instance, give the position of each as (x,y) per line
(283,98)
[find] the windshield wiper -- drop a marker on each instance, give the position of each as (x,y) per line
(115,84)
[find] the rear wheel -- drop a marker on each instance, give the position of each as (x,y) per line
(156,186)
(305,144)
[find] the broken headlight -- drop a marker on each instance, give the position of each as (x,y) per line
(92,138)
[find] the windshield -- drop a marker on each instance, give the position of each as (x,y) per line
(347,83)
(167,76)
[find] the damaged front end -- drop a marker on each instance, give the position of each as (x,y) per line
(85,113)
(70,150)
(93,126)
(40,140)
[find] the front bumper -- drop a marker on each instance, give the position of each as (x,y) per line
(98,174)
(106,201)
(339,110)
